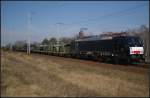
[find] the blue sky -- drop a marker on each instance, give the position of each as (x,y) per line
(97,16)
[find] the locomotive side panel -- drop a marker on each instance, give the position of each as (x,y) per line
(103,47)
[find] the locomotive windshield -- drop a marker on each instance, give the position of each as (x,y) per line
(133,41)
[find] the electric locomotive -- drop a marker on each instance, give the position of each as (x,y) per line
(118,48)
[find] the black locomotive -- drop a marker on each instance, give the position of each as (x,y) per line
(120,48)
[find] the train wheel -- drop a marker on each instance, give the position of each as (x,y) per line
(99,59)
(78,56)
(128,61)
(116,60)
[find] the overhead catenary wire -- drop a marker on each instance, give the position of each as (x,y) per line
(102,18)
(108,15)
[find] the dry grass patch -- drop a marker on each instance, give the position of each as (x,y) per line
(109,86)
(37,75)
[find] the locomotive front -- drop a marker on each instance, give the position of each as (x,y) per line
(135,49)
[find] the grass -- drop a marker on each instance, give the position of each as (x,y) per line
(37,75)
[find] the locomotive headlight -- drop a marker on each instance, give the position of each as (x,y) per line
(136,50)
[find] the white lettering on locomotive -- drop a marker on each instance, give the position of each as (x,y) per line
(136,50)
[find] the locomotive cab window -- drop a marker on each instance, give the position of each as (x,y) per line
(133,41)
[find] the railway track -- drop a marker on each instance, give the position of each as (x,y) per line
(140,68)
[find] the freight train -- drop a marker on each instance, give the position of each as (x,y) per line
(111,48)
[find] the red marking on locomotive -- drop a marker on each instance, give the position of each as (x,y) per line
(136,52)
(136,60)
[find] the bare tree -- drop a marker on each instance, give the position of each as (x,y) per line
(45,41)
(146,40)
(20,45)
(53,40)
(65,40)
